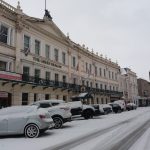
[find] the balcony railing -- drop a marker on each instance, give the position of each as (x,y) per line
(68,86)
(8,6)
(36,81)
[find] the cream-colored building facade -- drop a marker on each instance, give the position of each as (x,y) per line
(37,61)
(128,84)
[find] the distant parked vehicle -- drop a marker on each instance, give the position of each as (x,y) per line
(27,120)
(98,109)
(78,108)
(115,107)
(58,109)
(121,103)
(131,106)
(107,108)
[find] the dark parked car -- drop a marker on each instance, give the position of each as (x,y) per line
(98,110)
(107,108)
(131,106)
(115,107)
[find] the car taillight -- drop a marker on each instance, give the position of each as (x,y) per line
(65,108)
(42,116)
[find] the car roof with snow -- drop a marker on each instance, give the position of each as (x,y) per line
(50,100)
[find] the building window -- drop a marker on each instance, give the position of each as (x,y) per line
(26,42)
(35,97)
(73,62)
(113,88)
(57,96)
(37,73)
(90,68)
(104,72)
(105,87)
(37,47)
(86,67)
(116,76)
(87,83)
(106,101)
(56,77)
(47,75)
(26,73)
(56,54)
(91,84)
(112,75)
(83,82)
(96,85)
(109,75)
(97,100)
(116,88)
(110,87)
(95,71)
(63,58)
(102,100)
(101,86)
(100,72)
(3,34)
(24,98)
(64,79)
(26,70)
(3,66)
(47,51)
(46,96)
(64,97)
(74,80)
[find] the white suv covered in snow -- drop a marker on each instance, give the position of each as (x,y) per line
(58,110)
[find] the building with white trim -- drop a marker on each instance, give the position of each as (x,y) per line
(128,85)
(37,61)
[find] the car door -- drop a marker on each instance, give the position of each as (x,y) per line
(16,122)
(3,124)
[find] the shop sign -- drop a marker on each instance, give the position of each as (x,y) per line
(3,94)
(10,75)
(47,62)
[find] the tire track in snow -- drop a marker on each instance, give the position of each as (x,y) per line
(82,139)
(129,140)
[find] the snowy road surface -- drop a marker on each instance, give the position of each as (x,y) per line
(127,130)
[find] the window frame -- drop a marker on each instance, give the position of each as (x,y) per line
(37,51)
(56,54)
(6,26)
(47,51)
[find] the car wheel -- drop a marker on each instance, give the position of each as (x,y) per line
(87,114)
(58,122)
(32,131)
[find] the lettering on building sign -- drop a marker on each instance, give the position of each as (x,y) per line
(47,62)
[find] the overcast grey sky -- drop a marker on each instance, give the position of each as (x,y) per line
(119,29)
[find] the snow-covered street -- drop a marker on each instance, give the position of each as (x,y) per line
(127,130)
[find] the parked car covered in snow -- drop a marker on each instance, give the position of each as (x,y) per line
(58,109)
(131,106)
(27,120)
(107,108)
(115,107)
(98,109)
(80,107)
(121,103)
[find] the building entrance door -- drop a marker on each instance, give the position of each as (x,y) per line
(5,99)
